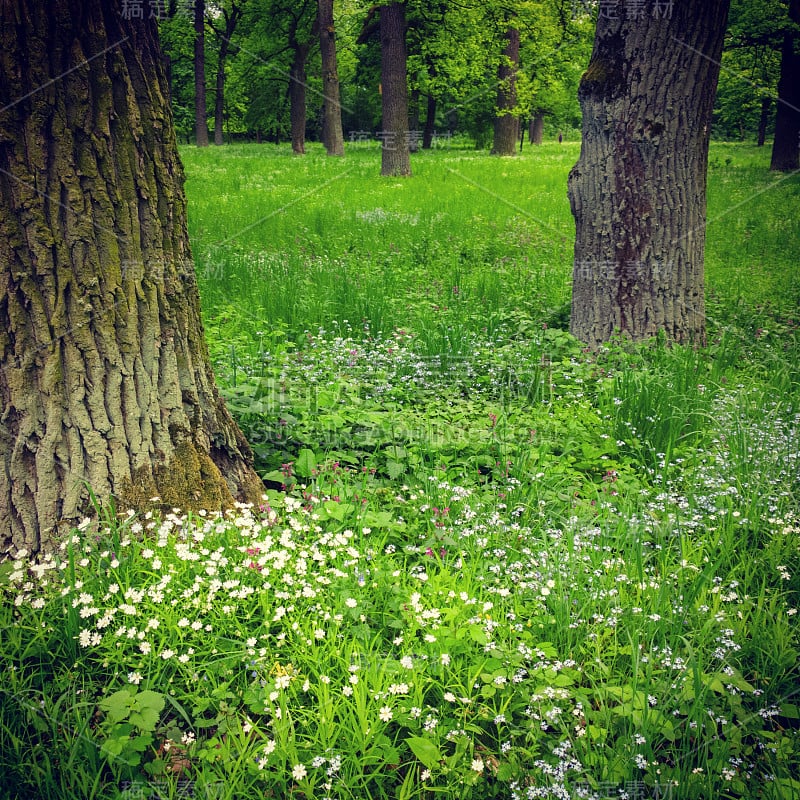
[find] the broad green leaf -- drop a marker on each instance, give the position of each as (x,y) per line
(118,705)
(306,463)
(425,750)
(395,468)
(477,634)
(146,719)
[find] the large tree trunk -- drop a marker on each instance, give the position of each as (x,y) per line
(200,113)
(395,158)
(333,137)
(638,191)
(506,123)
(297,98)
(105,381)
(786,145)
(537,128)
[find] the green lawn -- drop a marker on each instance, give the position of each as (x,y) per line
(489,563)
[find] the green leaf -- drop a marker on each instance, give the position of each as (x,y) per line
(395,468)
(150,699)
(790,711)
(378,519)
(145,720)
(306,463)
(715,684)
(596,733)
(477,634)
(425,750)
(505,772)
(118,705)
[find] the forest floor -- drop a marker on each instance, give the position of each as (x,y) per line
(490,563)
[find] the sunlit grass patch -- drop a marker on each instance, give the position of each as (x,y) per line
(490,563)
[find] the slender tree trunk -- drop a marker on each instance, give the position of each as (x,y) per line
(231,20)
(506,123)
(430,122)
(638,191)
(786,145)
(395,159)
(219,99)
(763,120)
(105,380)
(200,113)
(332,111)
(537,128)
(297,98)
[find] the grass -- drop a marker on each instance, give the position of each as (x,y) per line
(489,564)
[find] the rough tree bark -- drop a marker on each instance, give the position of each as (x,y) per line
(506,122)
(395,158)
(105,380)
(638,191)
(537,128)
(786,144)
(200,111)
(333,138)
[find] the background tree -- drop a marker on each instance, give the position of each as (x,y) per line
(200,112)
(332,135)
(301,37)
(281,38)
(786,145)
(750,69)
(176,34)
(452,52)
(555,42)
(223,22)
(638,191)
(395,158)
(105,379)
(506,124)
